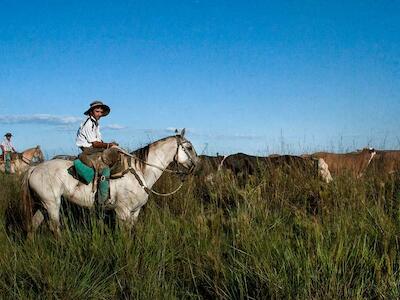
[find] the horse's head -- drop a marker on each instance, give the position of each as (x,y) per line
(38,156)
(185,154)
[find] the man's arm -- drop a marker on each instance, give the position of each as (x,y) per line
(94,138)
(103,145)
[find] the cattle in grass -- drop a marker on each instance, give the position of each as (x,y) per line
(208,166)
(354,163)
(242,166)
(385,162)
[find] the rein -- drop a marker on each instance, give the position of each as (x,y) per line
(148,164)
(149,190)
(141,182)
(26,160)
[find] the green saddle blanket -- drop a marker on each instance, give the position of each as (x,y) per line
(85,173)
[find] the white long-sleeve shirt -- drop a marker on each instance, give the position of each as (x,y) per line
(88,132)
(7,145)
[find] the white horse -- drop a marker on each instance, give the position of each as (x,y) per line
(21,162)
(49,181)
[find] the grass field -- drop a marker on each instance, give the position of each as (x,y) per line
(278,237)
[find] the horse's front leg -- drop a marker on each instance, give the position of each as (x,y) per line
(129,203)
(133,218)
(127,218)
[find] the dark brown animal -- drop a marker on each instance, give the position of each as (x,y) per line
(243,165)
(207,166)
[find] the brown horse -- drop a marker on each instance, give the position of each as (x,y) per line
(20,162)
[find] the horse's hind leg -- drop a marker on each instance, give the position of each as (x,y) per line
(37,219)
(54,218)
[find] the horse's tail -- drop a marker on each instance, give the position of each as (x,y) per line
(27,201)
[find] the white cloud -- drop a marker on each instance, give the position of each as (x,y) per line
(40,119)
(227,136)
(214,135)
(171,129)
(113,127)
(62,123)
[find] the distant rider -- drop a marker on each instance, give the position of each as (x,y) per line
(7,148)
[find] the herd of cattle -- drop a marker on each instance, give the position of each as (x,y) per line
(320,164)
(324,165)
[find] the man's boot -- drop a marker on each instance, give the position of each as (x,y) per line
(7,163)
(103,190)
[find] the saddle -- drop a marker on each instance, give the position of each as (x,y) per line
(90,168)
(98,168)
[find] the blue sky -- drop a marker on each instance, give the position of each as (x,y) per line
(253,76)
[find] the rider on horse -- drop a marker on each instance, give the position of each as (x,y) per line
(95,152)
(7,148)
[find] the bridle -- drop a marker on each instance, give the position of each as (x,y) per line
(180,141)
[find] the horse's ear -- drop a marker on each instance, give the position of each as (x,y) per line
(38,146)
(176,131)
(183,132)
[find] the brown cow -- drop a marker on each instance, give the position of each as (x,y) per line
(385,162)
(355,163)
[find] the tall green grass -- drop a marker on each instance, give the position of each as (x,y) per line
(278,236)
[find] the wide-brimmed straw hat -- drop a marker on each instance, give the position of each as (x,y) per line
(95,104)
(8,134)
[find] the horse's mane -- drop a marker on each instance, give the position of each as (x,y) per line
(143,153)
(29,149)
